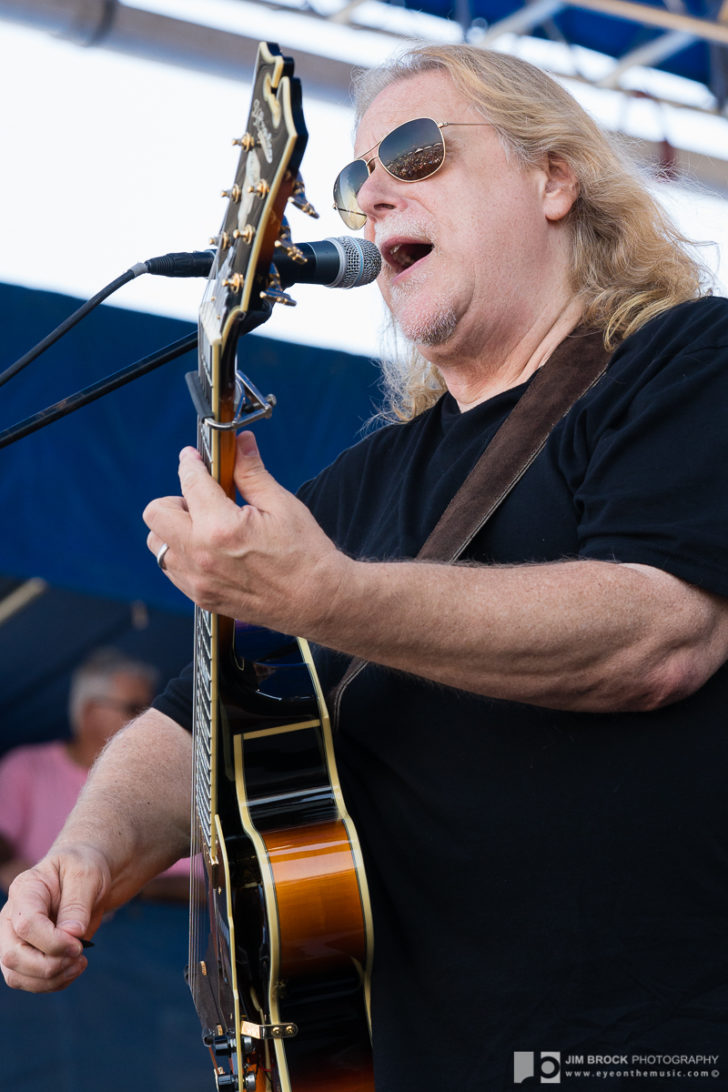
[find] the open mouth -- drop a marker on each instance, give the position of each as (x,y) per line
(405,254)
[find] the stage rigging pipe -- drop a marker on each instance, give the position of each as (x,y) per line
(127,29)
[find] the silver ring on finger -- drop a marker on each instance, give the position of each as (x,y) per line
(161,554)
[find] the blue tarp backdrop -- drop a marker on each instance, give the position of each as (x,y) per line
(71,498)
(72,494)
(127,1025)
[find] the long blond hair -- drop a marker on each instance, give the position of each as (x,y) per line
(629,262)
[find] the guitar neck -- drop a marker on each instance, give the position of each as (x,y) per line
(262,748)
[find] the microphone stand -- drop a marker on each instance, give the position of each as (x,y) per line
(248,411)
(342,262)
(337,263)
(97,390)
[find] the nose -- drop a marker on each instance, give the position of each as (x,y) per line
(380,192)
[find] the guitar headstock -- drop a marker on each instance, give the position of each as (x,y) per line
(272,148)
(240,290)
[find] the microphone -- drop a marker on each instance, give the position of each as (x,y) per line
(344,262)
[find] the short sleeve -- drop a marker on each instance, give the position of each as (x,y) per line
(175,701)
(654,484)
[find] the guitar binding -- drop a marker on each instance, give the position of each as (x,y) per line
(280,920)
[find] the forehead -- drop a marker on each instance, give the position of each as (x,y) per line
(427,94)
(127,682)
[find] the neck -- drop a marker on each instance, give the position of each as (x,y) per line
(514,360)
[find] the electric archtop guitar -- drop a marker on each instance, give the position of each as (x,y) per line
(280,936)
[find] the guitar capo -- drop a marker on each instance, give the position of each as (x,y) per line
(252,405)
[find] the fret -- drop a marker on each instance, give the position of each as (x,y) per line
(204,443)
(209,320)
(202,787)
(202,669)
(203,693)
(207,337)
(203,802)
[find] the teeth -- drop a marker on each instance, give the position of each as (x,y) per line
(403,258)
(406,254)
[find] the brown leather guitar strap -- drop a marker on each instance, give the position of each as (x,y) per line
(576,364)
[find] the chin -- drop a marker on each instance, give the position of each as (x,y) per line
(427,328)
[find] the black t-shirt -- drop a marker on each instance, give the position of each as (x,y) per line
(541,880)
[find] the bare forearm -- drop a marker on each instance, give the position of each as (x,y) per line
(130,821)
(575,635)
(585,635)
(134,809)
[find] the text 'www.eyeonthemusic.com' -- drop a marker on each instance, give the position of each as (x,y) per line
(553,1067)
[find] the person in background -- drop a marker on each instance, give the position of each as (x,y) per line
(40,782)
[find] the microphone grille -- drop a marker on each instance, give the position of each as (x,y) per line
(361,262)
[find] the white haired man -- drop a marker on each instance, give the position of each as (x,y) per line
(534,755)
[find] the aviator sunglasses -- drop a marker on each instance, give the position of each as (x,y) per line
(410,153)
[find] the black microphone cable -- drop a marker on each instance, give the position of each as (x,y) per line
(344,262)
(195,264)
(97,390)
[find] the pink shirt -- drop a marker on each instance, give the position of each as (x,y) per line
(39,785)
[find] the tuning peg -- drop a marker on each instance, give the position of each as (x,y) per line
(235,282)
(245,141)
(247,234)
(260,189)
(277,295)
(299,199)
(222,240)
(234,194)
(274,293)
(291,251)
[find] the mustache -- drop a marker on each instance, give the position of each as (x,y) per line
(406,227)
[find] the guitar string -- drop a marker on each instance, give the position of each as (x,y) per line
(199,744)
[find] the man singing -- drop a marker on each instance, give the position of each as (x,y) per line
(534,754)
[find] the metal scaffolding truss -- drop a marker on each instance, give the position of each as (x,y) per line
(688,37)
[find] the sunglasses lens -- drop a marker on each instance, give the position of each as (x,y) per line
(413,151)
(346,188)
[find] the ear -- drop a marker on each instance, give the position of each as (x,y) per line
(561,189)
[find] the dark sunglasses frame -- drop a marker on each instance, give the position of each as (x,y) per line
(353,176)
